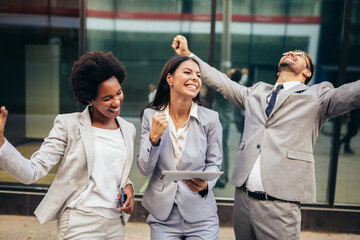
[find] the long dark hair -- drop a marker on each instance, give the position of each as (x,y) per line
(162,96)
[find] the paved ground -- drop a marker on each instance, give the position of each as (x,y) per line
(28,228)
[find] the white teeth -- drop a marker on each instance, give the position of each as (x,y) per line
(191,86)
(114,110)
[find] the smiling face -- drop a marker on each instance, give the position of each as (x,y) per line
(185,82)
(295,62)
(107,104)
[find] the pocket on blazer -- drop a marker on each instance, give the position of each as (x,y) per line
(54,201)
(299,96)
(157,184)
(302,156)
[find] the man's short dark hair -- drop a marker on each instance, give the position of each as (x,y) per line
(309,63)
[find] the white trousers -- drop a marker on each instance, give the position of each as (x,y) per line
(75,224)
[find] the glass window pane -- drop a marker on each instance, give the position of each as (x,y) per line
(304,7)
(270,7)
(348,177)
(40,44)
(242,7)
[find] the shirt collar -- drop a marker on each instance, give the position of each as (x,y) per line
(288,85)
(193,110)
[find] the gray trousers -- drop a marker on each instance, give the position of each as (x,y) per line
(265,219)
(76,224)
(176,228)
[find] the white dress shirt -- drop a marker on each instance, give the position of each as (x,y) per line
(254,181)
(178,137)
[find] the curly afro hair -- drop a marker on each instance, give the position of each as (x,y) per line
(92,69)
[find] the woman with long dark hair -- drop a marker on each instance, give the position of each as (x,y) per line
(179,134)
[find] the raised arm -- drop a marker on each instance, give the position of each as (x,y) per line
(30,170)
(338,101)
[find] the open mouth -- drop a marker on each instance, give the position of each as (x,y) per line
(292,58)
(114,110)
(191,86)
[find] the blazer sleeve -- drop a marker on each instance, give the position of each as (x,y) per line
(214,148)
(30,170)
(338,101)
(219,81)
(148,154)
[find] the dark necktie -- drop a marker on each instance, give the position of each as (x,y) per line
(273,99)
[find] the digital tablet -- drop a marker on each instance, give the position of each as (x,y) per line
(180,175)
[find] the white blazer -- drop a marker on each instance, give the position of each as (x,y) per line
(71,141)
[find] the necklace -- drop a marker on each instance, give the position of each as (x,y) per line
(176,123)
(173,120)
(182,118)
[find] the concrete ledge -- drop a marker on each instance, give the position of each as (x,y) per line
(330,220)
(313,218)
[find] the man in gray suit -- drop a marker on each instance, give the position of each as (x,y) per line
(274,170)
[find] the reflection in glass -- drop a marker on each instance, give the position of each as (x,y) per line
(39,42)
(348,178)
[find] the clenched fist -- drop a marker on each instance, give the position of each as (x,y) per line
(180,46)
(159,124)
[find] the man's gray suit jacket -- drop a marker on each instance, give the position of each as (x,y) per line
(202,152)
(287,137)
(71,141)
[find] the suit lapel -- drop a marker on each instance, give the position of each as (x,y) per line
(127,139)
(87,137)
(124,132)
(285,94)
(188,153)
(165,138)
(264,97)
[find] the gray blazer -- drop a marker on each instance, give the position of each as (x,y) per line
(287,137)
(71,142)
(203,152)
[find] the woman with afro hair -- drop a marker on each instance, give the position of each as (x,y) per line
(95,151)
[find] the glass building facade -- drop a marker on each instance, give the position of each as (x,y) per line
(40,42)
